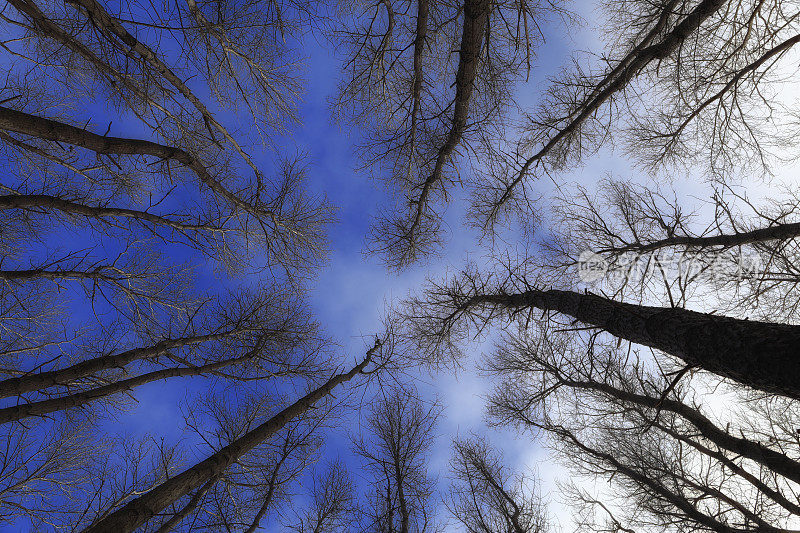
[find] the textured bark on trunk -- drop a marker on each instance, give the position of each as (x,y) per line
(45,201)
(138,511)
(41,273)
(43,380)
(476,15)
(44,407)
(44,128)
(618,79)
(762,355)
(771,459)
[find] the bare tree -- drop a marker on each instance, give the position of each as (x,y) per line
(396,453)
(683,81)
(486,497)
(252,338)
(255,486)
(105,224)
(332,506)
(138,511)
(731,252)
(674,467)
(756,354)
(417,143)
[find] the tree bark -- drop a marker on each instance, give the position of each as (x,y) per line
(401,497)
(43,128)
(28,201)
(138,511)
(619,79)
(762,355)
(476,15)
(24,410)
(43,380)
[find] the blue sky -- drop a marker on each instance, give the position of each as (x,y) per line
(350,294)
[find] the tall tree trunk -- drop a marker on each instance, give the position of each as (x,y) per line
(187,509)
(24,410)
(476,15)
(762,355)
(43,380)
(138,511)
(44,201)
(44,128)
(777,232)
(420,39)
(755,451)
(401,497)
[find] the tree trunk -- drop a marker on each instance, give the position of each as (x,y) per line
(725,240)
(755,451)
(44,128)
(762,355)
(64,376)
(476,14)
(44,201)
(618,79)
(138,511)
(24,410)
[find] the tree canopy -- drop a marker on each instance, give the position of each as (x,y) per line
(606,197)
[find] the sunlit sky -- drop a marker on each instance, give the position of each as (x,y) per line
(351,294)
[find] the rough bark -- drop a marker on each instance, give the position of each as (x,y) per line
(762,355)
(44,407)
(95,274)
(618,79)
(476,14)
(43,380)
(43,128)
(401,497)
(34,201)
(140,510)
